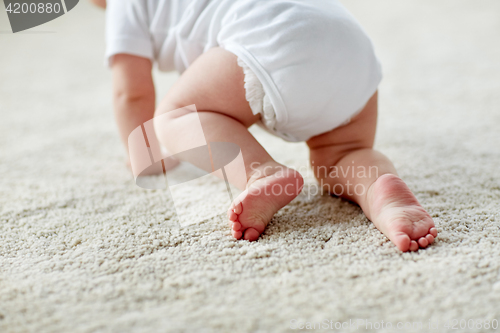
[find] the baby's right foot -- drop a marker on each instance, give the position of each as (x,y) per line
(396,212)
(252,210)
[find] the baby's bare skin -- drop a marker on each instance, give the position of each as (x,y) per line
(385,199)
(214,83)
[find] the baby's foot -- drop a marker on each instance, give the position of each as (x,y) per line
(252,210)
(396,212)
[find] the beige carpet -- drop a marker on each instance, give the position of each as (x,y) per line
(82,249)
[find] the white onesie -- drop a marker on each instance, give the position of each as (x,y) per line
(309,66)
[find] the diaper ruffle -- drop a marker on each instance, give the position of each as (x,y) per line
(257,98)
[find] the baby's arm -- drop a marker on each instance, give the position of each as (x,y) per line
(133,93)
(99,3)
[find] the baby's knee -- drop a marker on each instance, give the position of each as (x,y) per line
(171,113)
(167,116)
(171,108)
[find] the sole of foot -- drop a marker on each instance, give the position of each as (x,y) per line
(396,212)
(252,210)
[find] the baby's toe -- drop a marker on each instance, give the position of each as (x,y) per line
(433,231)
(236,226)
(251,235)
(430,238)
(413,246)
(422,241)
(232,216)
(402,241)
(236,234)
(238,208)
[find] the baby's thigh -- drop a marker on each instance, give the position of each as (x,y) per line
(214,82)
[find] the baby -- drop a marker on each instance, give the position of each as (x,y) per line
(304,70)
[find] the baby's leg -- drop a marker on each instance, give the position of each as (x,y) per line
(345,163)
(214,83)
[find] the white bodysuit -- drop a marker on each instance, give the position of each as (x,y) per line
(313,62)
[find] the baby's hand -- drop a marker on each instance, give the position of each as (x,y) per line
(99,3)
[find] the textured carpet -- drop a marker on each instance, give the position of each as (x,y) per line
(82,249)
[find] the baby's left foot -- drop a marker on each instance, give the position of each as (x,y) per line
(397,213)
(252,210)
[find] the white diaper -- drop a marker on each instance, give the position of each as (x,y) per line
(309,66)
(259,101)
